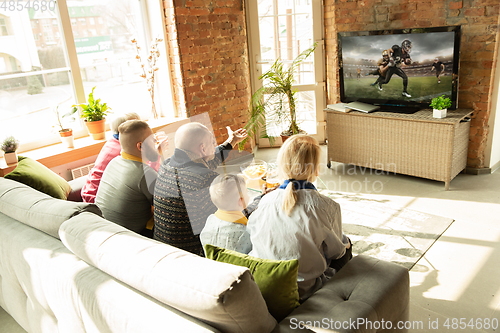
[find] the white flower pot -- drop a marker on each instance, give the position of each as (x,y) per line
(10,158)
(439,113)
(67,138)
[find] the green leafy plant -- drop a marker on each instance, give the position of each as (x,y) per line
(440,103)
(276,100)
(9,145)
(93,110)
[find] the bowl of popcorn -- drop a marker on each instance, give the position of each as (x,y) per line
(255,169)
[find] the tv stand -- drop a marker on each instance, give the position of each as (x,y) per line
(412,144)
(399,109)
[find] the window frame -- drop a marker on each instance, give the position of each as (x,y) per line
(73,68)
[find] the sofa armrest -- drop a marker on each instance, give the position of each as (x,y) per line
(364,291)
(76,188)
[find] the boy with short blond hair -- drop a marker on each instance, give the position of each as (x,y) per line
(226,228)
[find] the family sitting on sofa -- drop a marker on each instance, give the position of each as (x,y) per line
(82,272)
(194,206)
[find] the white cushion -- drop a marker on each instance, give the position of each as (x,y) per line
(223,295)
(48,289)
(38,209)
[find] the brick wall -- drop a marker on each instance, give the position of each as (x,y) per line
(480,22)
(213,54)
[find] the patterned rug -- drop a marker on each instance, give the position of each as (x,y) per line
(379,229)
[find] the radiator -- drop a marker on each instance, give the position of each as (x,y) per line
(81,171)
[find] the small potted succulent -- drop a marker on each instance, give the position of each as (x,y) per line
(440,106)
(9,147)
(65,133)
(94,114)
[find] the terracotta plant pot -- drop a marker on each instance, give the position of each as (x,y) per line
(67,137)
(284,137)
(10,158)
(96,129)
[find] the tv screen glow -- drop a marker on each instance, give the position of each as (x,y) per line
(413,79)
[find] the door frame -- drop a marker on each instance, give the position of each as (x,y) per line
(319,87)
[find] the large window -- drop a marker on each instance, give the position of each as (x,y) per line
(52,58)
(282,29)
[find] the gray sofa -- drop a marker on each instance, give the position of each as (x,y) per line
(63,268)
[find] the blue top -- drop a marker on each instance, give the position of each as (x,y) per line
(299,184)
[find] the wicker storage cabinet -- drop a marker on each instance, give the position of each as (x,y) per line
(412,144)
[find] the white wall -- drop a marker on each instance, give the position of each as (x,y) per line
(492,153)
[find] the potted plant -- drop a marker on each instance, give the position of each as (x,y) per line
(276,100)
(66,133)
(94,114)
(9,147)
(440,105)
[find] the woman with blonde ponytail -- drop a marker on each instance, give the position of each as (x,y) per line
(297,222)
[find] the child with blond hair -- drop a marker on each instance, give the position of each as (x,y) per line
(226,228)
(297,222)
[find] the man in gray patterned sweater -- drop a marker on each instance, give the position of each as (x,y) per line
(181,199)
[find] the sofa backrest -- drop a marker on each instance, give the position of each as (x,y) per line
(36,209)
(223,295)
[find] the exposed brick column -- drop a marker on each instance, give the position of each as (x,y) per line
(480,22)
(214,61)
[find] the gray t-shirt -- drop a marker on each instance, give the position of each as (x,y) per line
(228,235)
(125,194)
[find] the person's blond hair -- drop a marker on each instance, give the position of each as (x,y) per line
(298,159)
(225,191)
(117,121)
(132,132)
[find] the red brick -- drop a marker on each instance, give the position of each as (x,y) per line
(486,20)
(456,5)
(475,11)
(223,10)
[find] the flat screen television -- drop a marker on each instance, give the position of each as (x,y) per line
(399,70)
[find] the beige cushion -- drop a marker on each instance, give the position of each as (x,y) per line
(37,209)
(47,289)
(367,288)
(223,295)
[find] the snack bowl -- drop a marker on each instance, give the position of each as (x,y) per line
(255,169)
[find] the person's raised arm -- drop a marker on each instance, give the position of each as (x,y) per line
(235,137)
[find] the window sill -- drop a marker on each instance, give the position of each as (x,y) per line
(57,154)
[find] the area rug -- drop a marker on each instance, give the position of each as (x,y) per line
(381,229)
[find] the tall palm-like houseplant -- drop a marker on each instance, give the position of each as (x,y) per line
(276,100)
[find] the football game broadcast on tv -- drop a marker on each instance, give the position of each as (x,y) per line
(412,67)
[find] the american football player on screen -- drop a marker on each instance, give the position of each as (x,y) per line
(398,56)
(383,66)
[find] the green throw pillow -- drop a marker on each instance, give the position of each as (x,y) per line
(277,280)
(39,177)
